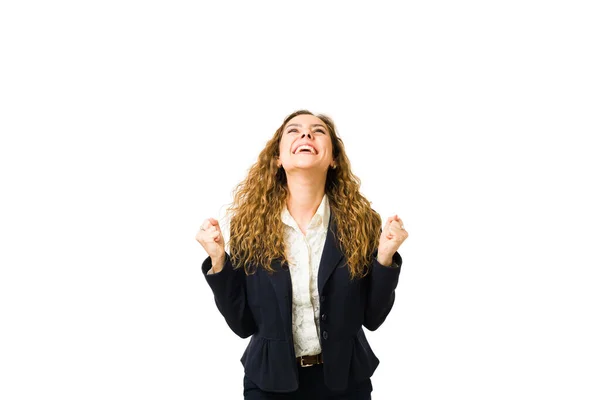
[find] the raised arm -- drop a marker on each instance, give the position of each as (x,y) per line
(384,273)
(227,283)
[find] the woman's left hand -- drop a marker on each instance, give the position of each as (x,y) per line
(392,236)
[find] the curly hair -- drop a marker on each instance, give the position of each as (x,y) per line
(256,228)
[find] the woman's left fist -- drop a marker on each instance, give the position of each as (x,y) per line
(392,236)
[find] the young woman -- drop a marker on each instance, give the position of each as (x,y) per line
(308,266)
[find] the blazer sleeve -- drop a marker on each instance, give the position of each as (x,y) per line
(229,289)
(381,283)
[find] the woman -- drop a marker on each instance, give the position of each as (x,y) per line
(309,265)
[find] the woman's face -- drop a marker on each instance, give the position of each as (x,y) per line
(305,144)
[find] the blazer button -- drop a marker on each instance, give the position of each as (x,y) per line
(322,299)
(324,317)
(325,335)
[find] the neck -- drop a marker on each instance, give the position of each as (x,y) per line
(305,196)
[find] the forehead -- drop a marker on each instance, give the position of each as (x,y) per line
(305,120)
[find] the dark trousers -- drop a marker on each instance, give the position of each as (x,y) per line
(311,387)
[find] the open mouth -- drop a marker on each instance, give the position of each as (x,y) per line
(305,149)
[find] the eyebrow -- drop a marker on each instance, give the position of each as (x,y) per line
(312,126)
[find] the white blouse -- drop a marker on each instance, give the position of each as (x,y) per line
(304,255)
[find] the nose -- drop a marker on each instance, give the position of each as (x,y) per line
(307,134)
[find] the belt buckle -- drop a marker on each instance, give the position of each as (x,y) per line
(302,364)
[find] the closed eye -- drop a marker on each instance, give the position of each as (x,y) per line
(294,130)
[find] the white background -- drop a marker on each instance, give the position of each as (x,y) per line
(125,124)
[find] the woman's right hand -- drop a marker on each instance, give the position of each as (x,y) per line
(211,238)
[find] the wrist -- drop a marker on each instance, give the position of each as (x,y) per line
(217,263)
(384,260)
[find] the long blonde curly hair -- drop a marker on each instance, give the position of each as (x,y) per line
(256,229)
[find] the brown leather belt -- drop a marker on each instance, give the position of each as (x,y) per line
(309,361)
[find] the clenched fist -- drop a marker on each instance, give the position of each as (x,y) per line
(211,238)
(392,236)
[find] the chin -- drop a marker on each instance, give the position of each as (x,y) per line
(308,167)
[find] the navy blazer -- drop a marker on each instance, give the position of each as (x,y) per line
(260,305)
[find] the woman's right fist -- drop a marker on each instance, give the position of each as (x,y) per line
(211,238)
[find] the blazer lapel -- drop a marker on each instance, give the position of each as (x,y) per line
(332,255)
(281,279)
